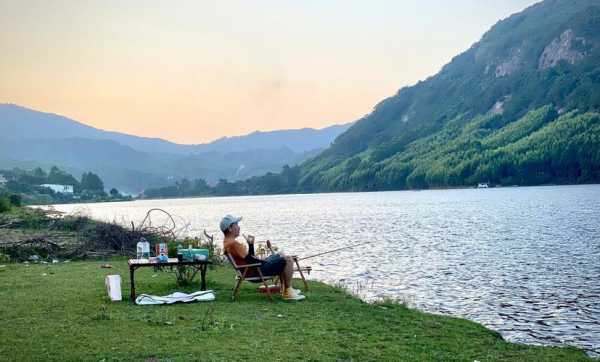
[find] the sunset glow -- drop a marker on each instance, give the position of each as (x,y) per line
(193,71)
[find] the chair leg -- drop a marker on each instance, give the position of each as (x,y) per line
(262,279)
(240,279)
(236,290)
(301,275)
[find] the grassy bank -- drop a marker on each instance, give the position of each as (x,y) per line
(61,312)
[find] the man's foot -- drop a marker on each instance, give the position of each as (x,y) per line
(294,290)
(289,294)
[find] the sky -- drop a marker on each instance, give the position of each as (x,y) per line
(193,71)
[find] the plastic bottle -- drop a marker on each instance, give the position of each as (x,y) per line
(139,250)
(146,251)
(143,249)
(179,252)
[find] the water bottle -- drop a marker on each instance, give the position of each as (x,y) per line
(139,249)
(143,249)
(146,249)
(179,252)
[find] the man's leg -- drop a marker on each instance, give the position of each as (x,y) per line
(288,272)
(282,280)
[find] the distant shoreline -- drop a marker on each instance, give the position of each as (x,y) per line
(317,193)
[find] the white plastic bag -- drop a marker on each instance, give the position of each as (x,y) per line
(113,287)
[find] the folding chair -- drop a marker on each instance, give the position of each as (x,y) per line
(297,268)
(248,272)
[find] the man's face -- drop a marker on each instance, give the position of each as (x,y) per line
(234,229)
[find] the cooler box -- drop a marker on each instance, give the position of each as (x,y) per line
(188,254)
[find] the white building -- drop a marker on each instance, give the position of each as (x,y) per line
(3,180)
(63,189)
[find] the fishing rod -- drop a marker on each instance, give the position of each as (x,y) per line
(333,251)
(269,246)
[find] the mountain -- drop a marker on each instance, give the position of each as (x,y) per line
(297,140)
(30,138)
(22,123)
(519,107)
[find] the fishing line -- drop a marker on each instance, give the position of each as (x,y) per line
(333,251)
(268,243)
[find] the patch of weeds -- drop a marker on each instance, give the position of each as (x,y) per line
(210,322)
(102,315)
(390,303)
(354,288)
(158,320)
(72,223)
(32,218)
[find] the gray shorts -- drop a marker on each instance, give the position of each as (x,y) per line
(273,265)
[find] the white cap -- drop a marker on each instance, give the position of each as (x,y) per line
(227,220)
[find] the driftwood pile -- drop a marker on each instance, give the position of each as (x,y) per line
(78,237)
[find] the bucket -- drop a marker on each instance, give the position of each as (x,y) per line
(272,288)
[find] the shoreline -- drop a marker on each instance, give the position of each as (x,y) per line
(313,193)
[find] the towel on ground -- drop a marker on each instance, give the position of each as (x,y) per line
(177,297)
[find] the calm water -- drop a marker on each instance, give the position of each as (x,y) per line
(522,261)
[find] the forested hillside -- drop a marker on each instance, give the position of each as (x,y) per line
(518,107)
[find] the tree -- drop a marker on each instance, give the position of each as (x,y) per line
(15,199)
(4,203)
(114,193)
(39,173)
(60,177)
(91,182)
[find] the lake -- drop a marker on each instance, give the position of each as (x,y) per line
(524,261)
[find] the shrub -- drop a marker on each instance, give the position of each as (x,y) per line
(4,258)
(72,223)
(4,204)
(16,200)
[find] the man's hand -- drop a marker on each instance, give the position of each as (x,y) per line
(249,238)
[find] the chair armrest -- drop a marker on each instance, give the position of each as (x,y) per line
(247,265)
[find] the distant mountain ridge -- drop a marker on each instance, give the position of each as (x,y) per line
(131,163)
(24,123)
(298,140)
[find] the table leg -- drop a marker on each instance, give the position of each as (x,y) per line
(132,281)
(203,277)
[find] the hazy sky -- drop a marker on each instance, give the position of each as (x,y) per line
(193,71)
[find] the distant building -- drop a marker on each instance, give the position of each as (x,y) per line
(3,180)
(63,189)
(482,185)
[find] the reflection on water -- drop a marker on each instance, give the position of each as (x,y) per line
(522,261)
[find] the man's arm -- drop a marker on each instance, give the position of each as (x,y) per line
(250,258)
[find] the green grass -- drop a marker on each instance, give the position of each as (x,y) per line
(61,312)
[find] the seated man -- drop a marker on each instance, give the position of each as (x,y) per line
(276,264)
